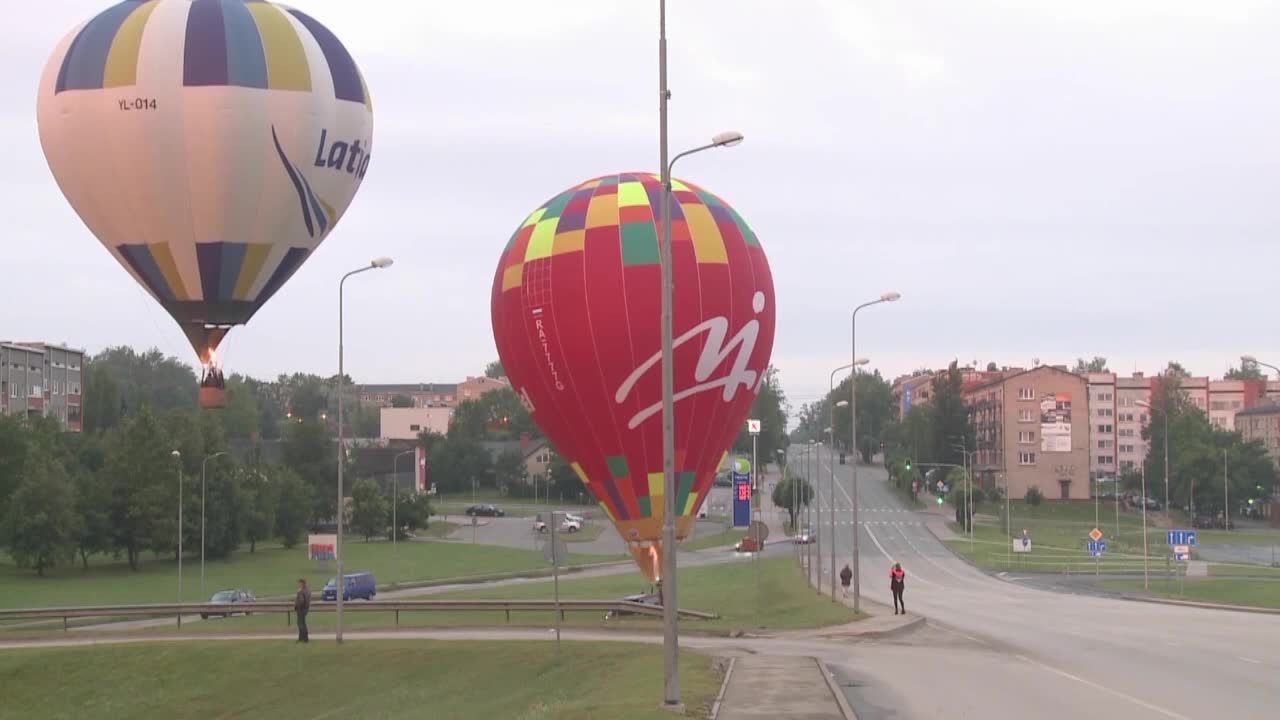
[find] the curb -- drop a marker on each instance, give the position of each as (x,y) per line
(724,688)
(841,700)
(1204,606)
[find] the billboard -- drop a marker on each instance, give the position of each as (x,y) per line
(741,500)
(322,547)
(1055,422)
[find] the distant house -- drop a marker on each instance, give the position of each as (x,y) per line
(408,423)
(536,453)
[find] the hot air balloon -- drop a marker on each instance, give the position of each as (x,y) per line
(210,145)
(576,309)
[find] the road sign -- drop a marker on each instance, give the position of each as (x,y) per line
(753,427)
(1181,552)
(1095,534)
(1097,547)
(1182,537)
(741,500)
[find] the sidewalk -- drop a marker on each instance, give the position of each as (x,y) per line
(797,688)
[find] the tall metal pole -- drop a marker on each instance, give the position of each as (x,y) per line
(855,452)
(815,552)
(1167,502)
(341,461)
(1145,580)
(755,515)
(179,540)
(670,628)
(831,456)
(1226,499)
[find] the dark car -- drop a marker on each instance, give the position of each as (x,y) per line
(722,479)
(485,511)
(229,597)
(354,586)
(1203,521)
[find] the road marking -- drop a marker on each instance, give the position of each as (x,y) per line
(1248,660)
(877,542)
(1104,688)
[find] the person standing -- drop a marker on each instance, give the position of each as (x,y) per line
(301,605)
(846,576)
(897,581)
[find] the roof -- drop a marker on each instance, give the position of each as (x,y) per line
(1264,409)
(409,387)
(1010,376)
(497,447)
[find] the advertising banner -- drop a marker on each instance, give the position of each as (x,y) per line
(1055,422)
(741,499)
(322,547)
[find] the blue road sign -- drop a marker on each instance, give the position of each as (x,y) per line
(741,499)
(1182,556)
(1182,537)
(1097,547)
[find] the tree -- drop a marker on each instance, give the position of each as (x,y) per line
(1246,371)
(495,415)
(992,367)
(770,408)
(875,411)
(952,429)
(41,528)
(309,451)
(225,509)
(294,506)
(454,464)
(788,491)
(13,455)
(152,379)
(101,399)
(562,480)
(508,467)
(494,370)
(93,500)
(137,469)
(260,497)
(368,509)
(1097,365)
(241,417)
(412,512)
(401,401)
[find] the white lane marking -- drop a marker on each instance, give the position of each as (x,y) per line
(1248,660)
(1104,688)
(927,559)
(890,558)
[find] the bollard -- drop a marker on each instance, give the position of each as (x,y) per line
(397,618)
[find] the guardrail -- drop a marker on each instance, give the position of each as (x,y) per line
(394,606)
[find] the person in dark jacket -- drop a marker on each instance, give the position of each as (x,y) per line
(897,581)
(301,605)
(846,577)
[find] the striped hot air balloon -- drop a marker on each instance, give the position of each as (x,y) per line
(576,316)
(210,145)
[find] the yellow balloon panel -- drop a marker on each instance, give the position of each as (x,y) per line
(210,145)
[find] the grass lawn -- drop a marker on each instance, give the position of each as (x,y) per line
(726,537)
(1237,537)
(589,532)
(361,679)
(270,571)
(1240,570)
(1255,593)
(729,589)
(440,529)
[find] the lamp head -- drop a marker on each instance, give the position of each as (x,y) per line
(381,262)
(843,403)
(729,138)
(1248,359)
(891,296)
(175,454)
(861,361)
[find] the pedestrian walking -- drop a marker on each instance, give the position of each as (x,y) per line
(846,577)
(301,605)
(897,580)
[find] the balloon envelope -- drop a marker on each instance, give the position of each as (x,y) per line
(576,308)
(210,145)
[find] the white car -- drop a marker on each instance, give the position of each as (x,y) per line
(571,525)
(575,518)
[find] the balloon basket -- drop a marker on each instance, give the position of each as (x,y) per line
(213,397)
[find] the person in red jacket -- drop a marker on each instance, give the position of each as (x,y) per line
(897,580)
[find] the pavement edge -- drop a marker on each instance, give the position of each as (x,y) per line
(724,688)
(841,700)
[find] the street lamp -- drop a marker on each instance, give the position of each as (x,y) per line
(853,423)
(395,500)
(670,632)
(1165,413)
(377,263)
(203,467)
(1251,360)
(177,456)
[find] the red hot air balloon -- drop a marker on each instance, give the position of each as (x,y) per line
(577,319)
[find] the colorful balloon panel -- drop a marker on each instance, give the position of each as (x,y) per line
(576,309)
(210,145)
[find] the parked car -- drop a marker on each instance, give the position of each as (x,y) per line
(576,518)
(806,537)
(748,544)
(354,585)
(1204,521)
(229,597)
(485,511)
(722,479)
(1153,504)
(539,524)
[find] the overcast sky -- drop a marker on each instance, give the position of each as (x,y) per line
(1038,179)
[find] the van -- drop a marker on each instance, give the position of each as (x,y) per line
(354,585)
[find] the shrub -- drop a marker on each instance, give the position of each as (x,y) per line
(1034,496)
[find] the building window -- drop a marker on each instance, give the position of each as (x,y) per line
(1104,444)
(1106,459)
(1104,428)
(1126,465)
(1126,449)
(13,391)
(1026,458)
(1126,432)
(1026,416)
(415,428)
(1126,402)
(1104,397)
(1105,412)
(1142,418)
(1026,393)
(1026,436)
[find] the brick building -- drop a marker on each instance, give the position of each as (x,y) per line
(42,380)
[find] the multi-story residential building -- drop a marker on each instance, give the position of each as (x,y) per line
(1262,423)
(1103,433)
(910,390)
(408,423)
(42,380)
(1130,419)
(1032,432)
(431,395)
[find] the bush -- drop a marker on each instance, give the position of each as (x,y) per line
(1034,496)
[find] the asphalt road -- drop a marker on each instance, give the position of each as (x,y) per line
(1003,650)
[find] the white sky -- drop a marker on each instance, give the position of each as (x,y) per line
(1038,179)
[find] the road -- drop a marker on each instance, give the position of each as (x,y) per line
(999,649)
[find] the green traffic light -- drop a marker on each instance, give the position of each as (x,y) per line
(939,499)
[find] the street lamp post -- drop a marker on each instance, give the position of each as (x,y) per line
(203,467)
(395,500)
(853,424)
(670,635)
(832,513)
(377,263)
(177,456)
(1145,581)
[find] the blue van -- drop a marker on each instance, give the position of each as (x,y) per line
(354,585)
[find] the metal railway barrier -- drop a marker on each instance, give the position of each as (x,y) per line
(614,607)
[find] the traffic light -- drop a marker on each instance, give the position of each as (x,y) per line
(908,464)
(939,499)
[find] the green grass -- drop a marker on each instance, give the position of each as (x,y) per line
(727,536)
(728,589)
(439,529)
(1241,570)
(589,532)
(1235,537)
(270,571)
(361,679)
(1253,593)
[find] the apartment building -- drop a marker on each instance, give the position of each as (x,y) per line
(408,423)
(1103,431)
(42,380)
(1262,423)
(910,390)
(1033,429)
(431,395)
